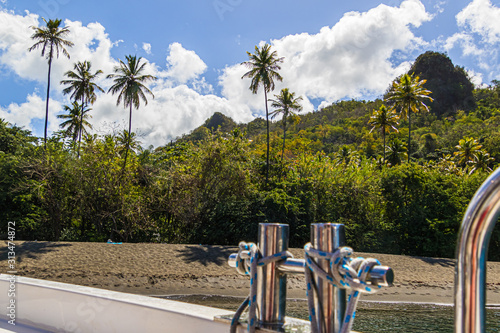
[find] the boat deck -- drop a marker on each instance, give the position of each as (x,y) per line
(5,327)
(47,306)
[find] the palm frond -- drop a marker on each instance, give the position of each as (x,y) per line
(51,36)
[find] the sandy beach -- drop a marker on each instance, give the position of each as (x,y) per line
(172,269)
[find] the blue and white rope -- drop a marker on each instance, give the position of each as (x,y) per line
(344,272)
(247,261)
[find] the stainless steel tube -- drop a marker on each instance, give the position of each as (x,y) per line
(379,275)
(289,266)
(330,301)
(271,287)
(470,270)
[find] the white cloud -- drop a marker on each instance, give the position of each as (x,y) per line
(93,45)
(475,77)
(466,42)
(14,42)
(33,110)
(479,35)
(183,65)
(439,7)
(146,47)
(351,59)
(482,17)
(173,111)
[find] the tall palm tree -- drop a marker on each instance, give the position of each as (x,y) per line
(385,119)
(287,105)
(81,87)
(409,94)
(129,84)
(51,38)
(76,120)
(263,65)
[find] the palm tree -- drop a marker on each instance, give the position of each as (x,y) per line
(263,65)
(76,120)
(409,94)
(467,151)
(127,141)
(82,88)
(129,84)
(385,119)
(287,104)
(396,151)
(343,155)
(481,161)
(51,38)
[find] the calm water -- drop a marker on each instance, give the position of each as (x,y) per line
(371,317)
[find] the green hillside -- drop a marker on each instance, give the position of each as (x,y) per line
(209,186)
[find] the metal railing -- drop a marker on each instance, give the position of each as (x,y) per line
(472,248)
(271,279)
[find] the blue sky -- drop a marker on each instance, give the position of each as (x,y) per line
(333,50)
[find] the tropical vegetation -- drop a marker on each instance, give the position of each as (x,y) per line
(408,94)
(51,39)
(216,184)
(81,87)
(76,121)
(264,66)
(288,106)
(385,119)
(128,83)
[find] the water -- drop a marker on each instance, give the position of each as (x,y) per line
(371,317)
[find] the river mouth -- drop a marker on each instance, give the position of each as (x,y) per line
(371,317)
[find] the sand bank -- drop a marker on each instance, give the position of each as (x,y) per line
(172,269)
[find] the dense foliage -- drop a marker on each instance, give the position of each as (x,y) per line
(211,189)
(398,189)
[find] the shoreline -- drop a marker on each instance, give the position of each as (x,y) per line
(488,306)
(174,269)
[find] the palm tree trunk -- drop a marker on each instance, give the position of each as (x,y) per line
(409,133)
(47,102)
(81,126)
(128,139)
(383,136)
(267,122)
(284,137)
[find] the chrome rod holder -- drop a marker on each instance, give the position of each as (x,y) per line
(330,301)
(271,278)
(472,248)
(271,283)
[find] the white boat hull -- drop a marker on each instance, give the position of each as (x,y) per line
(59,307)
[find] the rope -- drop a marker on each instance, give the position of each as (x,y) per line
(345,273)
(247,262)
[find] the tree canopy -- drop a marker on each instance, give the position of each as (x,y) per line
(217,183)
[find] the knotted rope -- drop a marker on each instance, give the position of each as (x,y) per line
(247,261)
(344,272)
